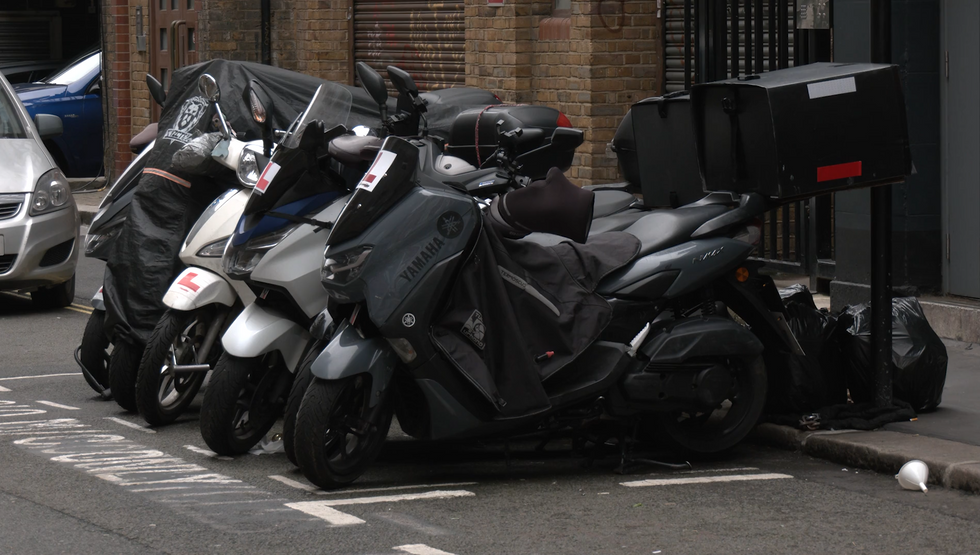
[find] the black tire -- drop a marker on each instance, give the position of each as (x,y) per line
(162,395)
(123,367)
(304,375)
(703,435)
(242,402)
(330,452)
(58,296)
(94,350)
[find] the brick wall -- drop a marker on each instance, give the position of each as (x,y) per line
(139,65)
(311,37)
(592,65)
(229,30)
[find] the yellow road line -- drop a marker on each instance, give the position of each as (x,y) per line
(74,307)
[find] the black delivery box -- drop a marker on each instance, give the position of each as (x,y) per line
(667,160)
(794,133)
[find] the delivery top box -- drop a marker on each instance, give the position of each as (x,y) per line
(795,133)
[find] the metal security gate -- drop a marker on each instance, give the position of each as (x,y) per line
(425,38)
(701,46)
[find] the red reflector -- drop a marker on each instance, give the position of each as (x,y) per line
(838,171)
(563,120)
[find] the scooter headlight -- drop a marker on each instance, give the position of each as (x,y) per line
(214,250)
(344,267)
(240,260)
(248,169)
(95,241)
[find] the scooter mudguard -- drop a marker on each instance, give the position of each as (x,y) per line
(98,300)
(349,354)
(259,330)
(197,287)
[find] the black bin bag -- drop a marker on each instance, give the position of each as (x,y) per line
(918,355)
(813,380)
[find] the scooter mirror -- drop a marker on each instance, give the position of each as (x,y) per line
(566,138)
(209,87)
(260,104)
(402,81)
(373,83)
(156,90)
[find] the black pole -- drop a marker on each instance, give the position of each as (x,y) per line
(266,31)
(881,234)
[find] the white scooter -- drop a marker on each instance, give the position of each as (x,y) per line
(201,301)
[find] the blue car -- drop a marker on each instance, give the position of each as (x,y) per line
(74,94)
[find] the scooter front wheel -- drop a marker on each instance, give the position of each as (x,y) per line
(304,375)
(242,402)
(713,432)
(338,435)
(93,353)
(123,367)
(162,394)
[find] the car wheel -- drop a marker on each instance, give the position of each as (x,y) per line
(59,296)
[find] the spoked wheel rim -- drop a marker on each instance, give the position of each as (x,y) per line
(253,408)
(174,386)
(720,428)
(352,432)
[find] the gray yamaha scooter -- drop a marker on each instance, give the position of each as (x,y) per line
(463,332)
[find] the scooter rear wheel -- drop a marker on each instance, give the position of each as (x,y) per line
(712,433)
(161,394)
(242,402)
(338,435)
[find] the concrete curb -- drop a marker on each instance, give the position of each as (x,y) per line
(952,465)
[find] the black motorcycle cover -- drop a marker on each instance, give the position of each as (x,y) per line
(519,312)
(168,201)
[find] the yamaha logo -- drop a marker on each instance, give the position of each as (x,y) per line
(450,225)
(408,320)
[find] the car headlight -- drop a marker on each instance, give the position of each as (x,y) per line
(344,267)
(214,250)
(240,260)
(248,169)
(51,193)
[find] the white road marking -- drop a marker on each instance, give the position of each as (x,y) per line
(322,509)
(704,480)
(420,549)
(741,469)
(56,405)
(4,389)
(393,488)
(131,424)
(207,453)
(293,483)
(333,516)
(41,376)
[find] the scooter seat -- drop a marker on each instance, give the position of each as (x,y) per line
(662,229)
(609,202)
(351,150)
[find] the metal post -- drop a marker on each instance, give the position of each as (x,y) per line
(881,235)
(265,13)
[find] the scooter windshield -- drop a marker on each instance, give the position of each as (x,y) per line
(390,177)
(287,177)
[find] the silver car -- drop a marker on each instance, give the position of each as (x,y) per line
(38,218)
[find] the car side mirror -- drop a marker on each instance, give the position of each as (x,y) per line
(48,125)
(95,87)
(156,90)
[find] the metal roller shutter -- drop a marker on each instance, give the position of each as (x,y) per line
(29,37)
(425,38)
(674,37)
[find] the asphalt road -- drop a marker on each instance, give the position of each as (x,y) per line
(82,476)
